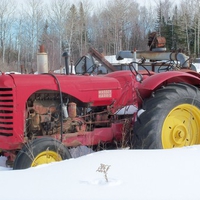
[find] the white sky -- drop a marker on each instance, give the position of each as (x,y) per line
(99,2)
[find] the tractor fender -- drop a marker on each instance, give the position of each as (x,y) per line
(156,81)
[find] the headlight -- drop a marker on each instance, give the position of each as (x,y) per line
(139,78)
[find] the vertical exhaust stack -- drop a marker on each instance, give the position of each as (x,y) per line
(42,61)
(65,55)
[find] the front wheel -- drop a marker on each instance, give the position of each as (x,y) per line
(41,151)
(171,118)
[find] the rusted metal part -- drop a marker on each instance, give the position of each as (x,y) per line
(72,110)
(94,137)
(42,50)
(93,52)
(156,55)
(182,58)
(160,42)
(155,41)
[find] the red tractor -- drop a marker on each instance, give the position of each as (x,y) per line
(45,116)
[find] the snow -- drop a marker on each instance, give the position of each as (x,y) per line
(171,174)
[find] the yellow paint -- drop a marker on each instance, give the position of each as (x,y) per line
(181,127)
(46,157)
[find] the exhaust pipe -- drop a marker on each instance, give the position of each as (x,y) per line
(66,56)
(42,61)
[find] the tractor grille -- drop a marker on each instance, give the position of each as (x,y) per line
(6,112)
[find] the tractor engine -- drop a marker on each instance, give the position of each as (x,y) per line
(44,118)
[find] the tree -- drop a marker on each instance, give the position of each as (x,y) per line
(71,28)
(146,24)
(57,13)
(31,27)
(117,25)
(7,11)
(185,21)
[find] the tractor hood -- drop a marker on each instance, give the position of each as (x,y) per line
(95,90)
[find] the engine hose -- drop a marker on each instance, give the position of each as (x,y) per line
(61,103)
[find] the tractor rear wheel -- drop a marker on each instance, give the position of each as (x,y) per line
(41,151)
(171,118)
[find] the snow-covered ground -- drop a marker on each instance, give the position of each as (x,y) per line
(172,174)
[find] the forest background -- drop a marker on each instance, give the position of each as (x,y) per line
(109,26)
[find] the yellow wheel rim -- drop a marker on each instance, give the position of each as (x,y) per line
(181,127)
(46,157)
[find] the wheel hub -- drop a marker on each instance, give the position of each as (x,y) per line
(181,127)
(46,157)
(179,134)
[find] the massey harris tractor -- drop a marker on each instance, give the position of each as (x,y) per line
(44,116)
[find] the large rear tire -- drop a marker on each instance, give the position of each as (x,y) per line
(41,151)
(171,118)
